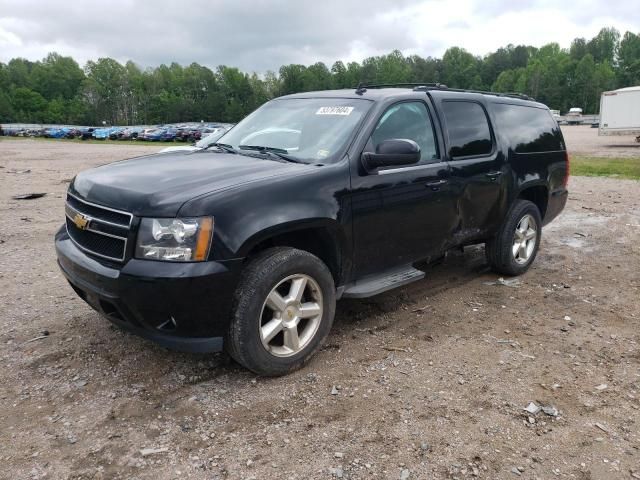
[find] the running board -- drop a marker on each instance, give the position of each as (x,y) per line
(375,284)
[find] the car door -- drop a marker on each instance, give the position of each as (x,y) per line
(477,168)
(401,214)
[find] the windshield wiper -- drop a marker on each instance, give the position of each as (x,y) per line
(222,146)
(278,152)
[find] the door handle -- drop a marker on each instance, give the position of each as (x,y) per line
(435,185)
(493,175)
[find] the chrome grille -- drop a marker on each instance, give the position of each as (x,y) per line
(98,230)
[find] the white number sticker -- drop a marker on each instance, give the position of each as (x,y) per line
(334,111)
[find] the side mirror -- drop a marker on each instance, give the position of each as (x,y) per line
(392,153)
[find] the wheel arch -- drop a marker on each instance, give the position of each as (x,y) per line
(321,237)
(538,194)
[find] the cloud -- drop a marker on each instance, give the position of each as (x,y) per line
(261,35)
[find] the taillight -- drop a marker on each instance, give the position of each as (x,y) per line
(568,172)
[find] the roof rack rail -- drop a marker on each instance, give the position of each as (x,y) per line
(423,87)
(521,96)
(415,86)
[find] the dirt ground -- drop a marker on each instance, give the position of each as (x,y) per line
(430,380)
(584,141)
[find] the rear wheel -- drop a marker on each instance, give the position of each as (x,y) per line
(514,248)
(283,310)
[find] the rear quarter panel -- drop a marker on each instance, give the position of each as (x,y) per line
(547,168)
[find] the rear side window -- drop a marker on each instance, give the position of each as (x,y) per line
(468,129)
(528,129)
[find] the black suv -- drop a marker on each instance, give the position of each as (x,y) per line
(248,244)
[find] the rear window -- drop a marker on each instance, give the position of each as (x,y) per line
(468,129)
(528,129)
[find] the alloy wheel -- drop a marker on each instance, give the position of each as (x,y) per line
(524,239)
(291,315)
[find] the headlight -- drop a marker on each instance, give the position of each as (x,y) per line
(174,239)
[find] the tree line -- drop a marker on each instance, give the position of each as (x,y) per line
(57,90)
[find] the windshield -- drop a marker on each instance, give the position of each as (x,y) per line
(211,138)
(309,129)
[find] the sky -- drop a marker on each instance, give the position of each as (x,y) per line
(258,36)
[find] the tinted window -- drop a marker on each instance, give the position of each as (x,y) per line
(408,120)
(468,129)
(528,129)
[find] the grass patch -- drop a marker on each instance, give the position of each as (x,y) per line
(94,141)
(606,167)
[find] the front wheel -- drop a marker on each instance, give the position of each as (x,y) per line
(283,310)
(515,246)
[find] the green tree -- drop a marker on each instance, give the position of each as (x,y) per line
(292,79)
(6,108)
(55,112)
(604,45)
(56,77)
(629,60)
(578,49)
(19,72)
(56,89)
(547,76)
(105,90)
(393,68)
(339,75)
(236,88)
(272,84)
(427,70)
(507,81)
(584,87)
(317,77)
(460,69)
(29,106)
(604,80)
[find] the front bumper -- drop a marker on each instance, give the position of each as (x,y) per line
(182,306)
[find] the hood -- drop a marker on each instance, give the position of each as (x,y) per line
(158,185)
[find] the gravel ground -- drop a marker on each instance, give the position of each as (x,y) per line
(429,381)
(585,141)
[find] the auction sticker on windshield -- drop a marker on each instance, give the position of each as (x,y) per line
(334,111)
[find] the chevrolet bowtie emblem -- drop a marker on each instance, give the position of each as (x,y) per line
(81,221)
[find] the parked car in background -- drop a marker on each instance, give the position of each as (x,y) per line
(73,133)
(86,133)
(142,135)
(101,133)
(116,133)
(150,134)
(155,135)
(186,134)
(182,132)
(169,134)
(56,132)
(130,133)
(574,117)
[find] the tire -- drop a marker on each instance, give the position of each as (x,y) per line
(255,339)
(502,255)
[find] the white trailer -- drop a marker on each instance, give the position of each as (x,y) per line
(620,112)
